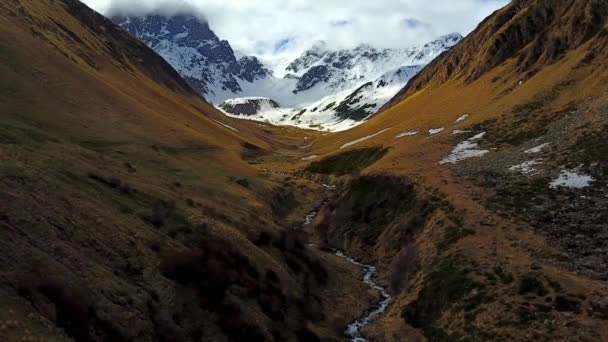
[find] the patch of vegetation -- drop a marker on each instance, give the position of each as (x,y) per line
(567,304)
(594,143)
(526,315)
(530,284)
(13,170)
(521,195)
(180,150)
(74,308)
(164,212)
(372,202)
(100,145)
(347,162)
(243,182)
(282,201)
(444,287)
(251,151)
(529,107)
(455,233)
(504,275)
(113,183)
(22,136)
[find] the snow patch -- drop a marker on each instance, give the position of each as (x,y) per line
(434,131)
(478,136)
(460,131)
(571,179)
(406,134)
(465,150)
(313,157)
(526,167)
(462,118)
(354,142)
(245,100)
(225,125)
(537,149)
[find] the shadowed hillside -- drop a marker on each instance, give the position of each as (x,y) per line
(131,209)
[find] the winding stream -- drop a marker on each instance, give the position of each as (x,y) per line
(353,330)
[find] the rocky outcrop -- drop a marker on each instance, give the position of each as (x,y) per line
(248,106)
(188,43)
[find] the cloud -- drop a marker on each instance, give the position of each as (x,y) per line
(278,30)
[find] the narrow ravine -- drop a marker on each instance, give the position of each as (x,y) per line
(353,330)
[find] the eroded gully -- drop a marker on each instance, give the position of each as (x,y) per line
(353,329)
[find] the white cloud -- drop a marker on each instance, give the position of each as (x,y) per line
(281,29)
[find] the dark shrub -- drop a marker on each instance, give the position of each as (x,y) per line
(347,162)
(305,335)
(446,285)
(564,304)
(529,284)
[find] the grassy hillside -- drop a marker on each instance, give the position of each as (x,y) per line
(494,253)
(130,209)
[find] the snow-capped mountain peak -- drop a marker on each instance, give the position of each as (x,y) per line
(192,48)
(323,88)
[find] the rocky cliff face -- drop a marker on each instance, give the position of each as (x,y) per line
(341,89)
(188,44)
(249,105)
(343,68)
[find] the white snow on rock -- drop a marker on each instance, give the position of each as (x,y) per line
(354,142)
(460,131)
(325,88)
(465,150)
(462,118)
(434,131)
(406,134)
(571,179)
(526,167)
(310,157)
(225,125)
(245,100)
(537,149)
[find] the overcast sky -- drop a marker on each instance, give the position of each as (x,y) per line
(279,30)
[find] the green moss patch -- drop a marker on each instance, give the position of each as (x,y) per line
(21,136)
(347,162)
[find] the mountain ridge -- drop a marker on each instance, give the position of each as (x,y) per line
(538,32)
(207,62)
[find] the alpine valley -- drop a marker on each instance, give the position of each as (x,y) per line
(471,207)
(324,88)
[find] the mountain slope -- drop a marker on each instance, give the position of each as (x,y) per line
(536,33)
(131,209)
(189,45)
(507,128)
